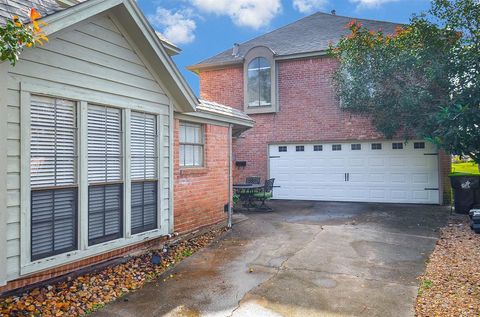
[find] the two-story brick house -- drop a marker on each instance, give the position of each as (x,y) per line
(313,149)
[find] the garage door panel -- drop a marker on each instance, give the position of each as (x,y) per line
(376,162)
(385,175)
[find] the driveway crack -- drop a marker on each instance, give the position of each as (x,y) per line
(277,269)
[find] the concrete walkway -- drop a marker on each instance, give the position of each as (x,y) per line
(304,259)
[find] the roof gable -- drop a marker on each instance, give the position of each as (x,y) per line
(21,8)
(311,34)
(132,20)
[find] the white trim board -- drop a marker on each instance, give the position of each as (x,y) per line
(3,172)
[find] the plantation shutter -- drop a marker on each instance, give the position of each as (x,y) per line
(53,176)
(144,189)
(105,193)
(105,213)
(104,144)
(53,222)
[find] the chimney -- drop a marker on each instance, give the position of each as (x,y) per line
(333,12)
(235,49)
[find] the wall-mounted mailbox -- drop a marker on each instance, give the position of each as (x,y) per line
(241,163)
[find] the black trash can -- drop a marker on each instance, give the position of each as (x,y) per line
(465,188)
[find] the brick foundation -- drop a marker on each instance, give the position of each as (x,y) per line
(68,268)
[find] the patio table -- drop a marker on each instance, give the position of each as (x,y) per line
(246,193)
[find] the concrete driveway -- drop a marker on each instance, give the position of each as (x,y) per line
(304,259)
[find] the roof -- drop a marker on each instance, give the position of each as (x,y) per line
(311,34)
(207,110)
(223,110)
(21,8)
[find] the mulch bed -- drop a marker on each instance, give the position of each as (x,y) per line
(87,293)
(450,285)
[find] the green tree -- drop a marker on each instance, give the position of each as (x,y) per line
(15,35)
(421,81)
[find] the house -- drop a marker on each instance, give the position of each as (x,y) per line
(105,148)
(315,151)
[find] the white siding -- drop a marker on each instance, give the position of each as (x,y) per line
(92,59)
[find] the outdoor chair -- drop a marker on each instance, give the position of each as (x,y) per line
(265,194)
(253,180)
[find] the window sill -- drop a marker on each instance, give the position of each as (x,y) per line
(260,109)
(185,171)
(94,250)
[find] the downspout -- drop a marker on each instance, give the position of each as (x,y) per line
(230,198)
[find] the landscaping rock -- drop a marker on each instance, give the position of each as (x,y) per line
(450,285)
(85,294)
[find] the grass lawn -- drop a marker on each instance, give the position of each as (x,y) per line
(465,168)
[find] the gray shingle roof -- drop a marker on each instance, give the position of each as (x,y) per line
(21,8)
(217,108)
(313,33)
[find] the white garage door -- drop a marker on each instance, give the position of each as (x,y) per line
(385,171)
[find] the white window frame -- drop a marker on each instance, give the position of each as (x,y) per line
(164,214)
(202,144)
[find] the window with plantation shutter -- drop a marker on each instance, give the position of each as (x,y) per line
(105,190)
(143,149)
(53,180)
(191,144)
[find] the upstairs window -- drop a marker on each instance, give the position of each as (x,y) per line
(259,93)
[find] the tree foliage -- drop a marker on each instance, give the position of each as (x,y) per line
(421,81)
(15,35)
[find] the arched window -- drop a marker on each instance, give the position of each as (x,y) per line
(259,83)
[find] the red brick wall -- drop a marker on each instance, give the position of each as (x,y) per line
(308,111)
(201,193)
(445,166)
(224,86)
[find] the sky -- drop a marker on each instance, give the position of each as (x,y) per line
(203,28)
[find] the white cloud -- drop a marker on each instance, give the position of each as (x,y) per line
(249,13)
(371,3)
(308,6)
(178,27)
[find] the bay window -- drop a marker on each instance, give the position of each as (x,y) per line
(144,157)
(53,180)
(105,179)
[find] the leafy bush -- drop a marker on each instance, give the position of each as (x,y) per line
(15,36)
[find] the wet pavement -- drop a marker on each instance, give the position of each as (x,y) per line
(303,259)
